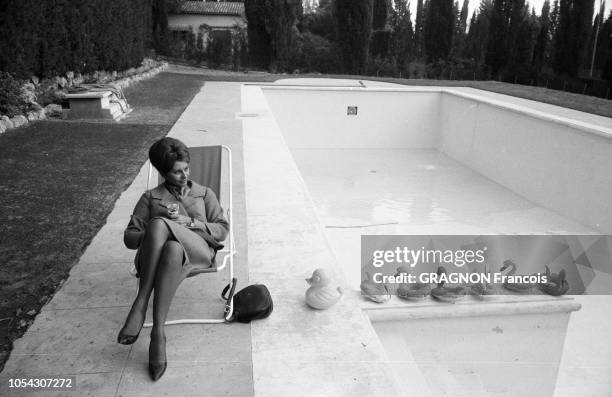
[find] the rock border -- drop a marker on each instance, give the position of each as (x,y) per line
(53,110)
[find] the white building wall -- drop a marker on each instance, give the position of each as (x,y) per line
(214,21)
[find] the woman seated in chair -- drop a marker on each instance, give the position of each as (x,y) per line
(172,243)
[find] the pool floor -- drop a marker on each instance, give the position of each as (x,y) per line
(377,191)
(412,191)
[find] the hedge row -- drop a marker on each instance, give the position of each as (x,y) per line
(51,37)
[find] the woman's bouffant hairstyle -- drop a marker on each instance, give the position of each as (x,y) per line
(167,151)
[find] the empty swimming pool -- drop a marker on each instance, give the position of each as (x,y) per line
(387,160)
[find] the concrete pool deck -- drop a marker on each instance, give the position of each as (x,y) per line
(296,351)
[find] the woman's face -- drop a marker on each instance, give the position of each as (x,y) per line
(179,174)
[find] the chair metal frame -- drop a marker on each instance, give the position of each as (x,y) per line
(228,252)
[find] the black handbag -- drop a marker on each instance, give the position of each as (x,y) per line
(253,302)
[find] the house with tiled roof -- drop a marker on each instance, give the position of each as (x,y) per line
(218,15)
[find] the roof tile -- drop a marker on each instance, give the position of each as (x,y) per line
(213,8)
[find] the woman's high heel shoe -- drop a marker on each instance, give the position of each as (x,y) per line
(157,369)
(125,339)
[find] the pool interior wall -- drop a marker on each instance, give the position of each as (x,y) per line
(558,163)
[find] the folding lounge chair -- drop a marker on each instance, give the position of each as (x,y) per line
(205,168)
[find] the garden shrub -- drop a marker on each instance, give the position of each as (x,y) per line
(200,53)
(176,45)
(417,70)
(12,102)
(219,48)
(239,47)
(317,54)
(383,67)
(190,45)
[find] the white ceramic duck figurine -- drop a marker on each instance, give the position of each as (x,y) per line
(375,292)
(321,295)
(483,290)
(447,294)
(516,287)
(411,291)
(556,284)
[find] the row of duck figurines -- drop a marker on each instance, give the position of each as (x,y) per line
(555,285)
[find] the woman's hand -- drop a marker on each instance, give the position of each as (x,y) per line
(173,210)
(182,220)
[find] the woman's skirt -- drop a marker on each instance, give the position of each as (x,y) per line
(198,257)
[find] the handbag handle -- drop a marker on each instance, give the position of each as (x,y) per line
(231,293)
(228,300)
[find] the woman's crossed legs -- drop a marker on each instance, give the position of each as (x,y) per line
(160,268)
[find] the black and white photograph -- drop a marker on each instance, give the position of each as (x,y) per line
(318,198)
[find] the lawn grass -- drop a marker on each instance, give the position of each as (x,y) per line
(162,99)
(59,181)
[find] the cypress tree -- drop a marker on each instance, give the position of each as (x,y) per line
(32,24)
(554,23)
(469,50)
(117,41)
(605,50)
(562,37)
(515,29)
(584,21)
(380,13)
(541,51)
(418,29)
(353,30)
(159,26)
(87,12)
(438,29)
(381,34)
(54,48)
(478,35)
(270,25)
(462,27)
(512,36)
(76,31)
(572,35)
(402,33)
(456,14)
(258,35)
(6,17)
(460,34)
(522,38)
(591,52)
(280,24)
(604,44)
(497,50)
(141,34)
(22,31)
